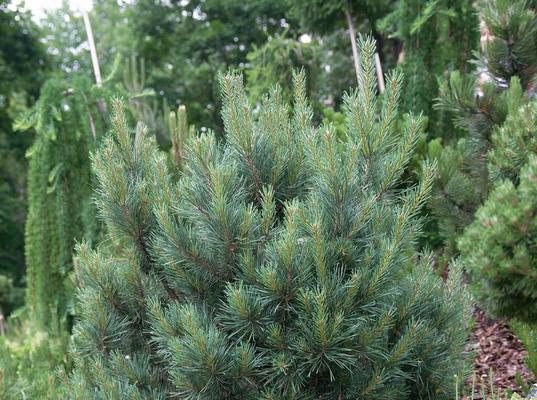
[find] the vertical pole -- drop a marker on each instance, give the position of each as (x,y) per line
(93,50)
(96,70)
(355,55)
(2,324)
(380,75)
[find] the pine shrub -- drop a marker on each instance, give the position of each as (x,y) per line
(280,265)
(499,248)
(512,143)
(457,192)
(480,108)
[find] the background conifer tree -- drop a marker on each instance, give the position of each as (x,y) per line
(512,143)
(67,122)
(325,16)
(23,65)
(498,248)
(437,37)
(280,266)
(480,106)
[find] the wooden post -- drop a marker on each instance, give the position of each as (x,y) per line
(355,55)
(380,75)
(2,324)
(101,106)
(93,50)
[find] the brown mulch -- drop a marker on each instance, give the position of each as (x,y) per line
(498,350)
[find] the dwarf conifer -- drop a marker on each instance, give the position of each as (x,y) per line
(499,251)
(480,105)
(280,265)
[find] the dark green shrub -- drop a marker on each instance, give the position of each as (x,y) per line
(499,249)
(480,108)
(513,142)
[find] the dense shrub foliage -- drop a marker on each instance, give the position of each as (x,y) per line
(29,360)
(499,248)
(480,105)
(513,142)
(279,266)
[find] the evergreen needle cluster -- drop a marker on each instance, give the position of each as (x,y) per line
(280,265)
(487,107)
(498,248)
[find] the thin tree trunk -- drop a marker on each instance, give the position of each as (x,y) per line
(355,55)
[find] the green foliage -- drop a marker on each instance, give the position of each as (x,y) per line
(181,133)
(527,333)
(337,119)
(186,44)
(134,76)
(512,143)
(28,359)
(325,62)
(508,60)
(11,231)
(23,59)
(11,296)
(480,109)
(325,16)
(512,51)
(335,70)
(478,115)
(68,122)
(23,65)
(64,35)
(274,62)
(498,248)
(438,36)
(278,267)
(463,182)
(458,191)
